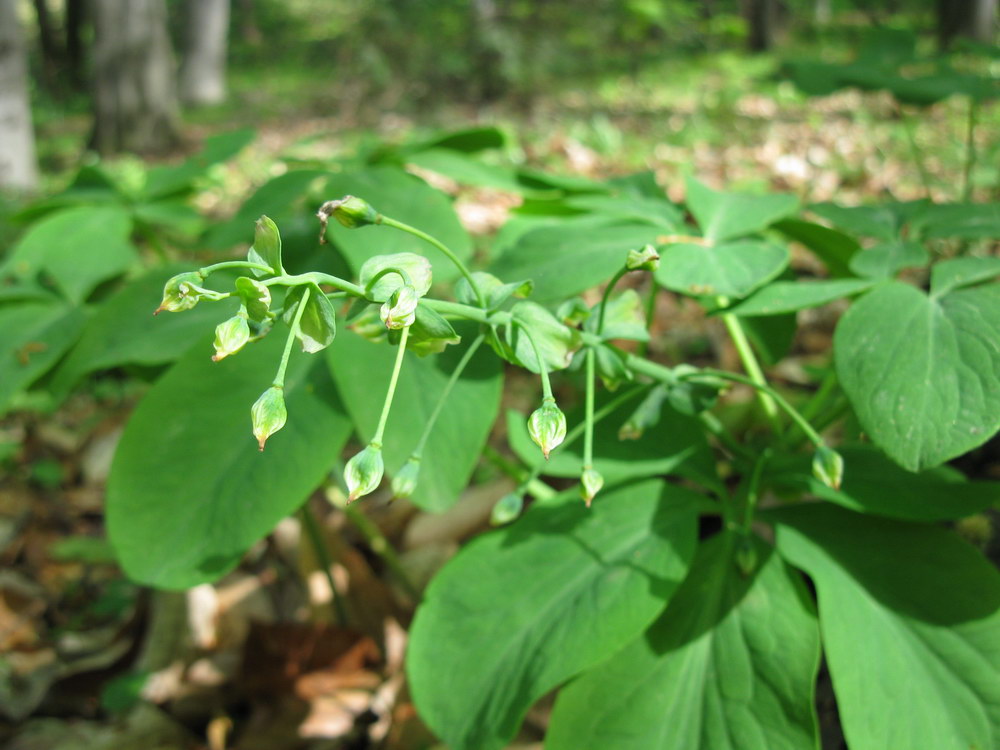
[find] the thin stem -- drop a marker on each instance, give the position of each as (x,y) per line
(711,423)
(827,387)
(455,375)
(279,379)
(390,222)
(381,546)
(911,136)
(323,558)
(385,272)
(607,295)
(643,347)
(317,278)
(234,264)
(529,482)
(542,371)
(392,387)
(588,435)
(753,489)
(970,149)
(750,364)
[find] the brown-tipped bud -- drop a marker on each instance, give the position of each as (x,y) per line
(646,259)
(547,426)
(400,310)
(181,292)
(828,467)
(363,472)
(590,484)
(231,336)
(350,211)
(268,414)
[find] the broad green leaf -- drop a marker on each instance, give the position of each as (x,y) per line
(968,221)
(832,247)
(361,370)
(124,331)
(566,260)
(170,216)
(910,625)
(467,170)
(656,211)
(318,324)
(790,296)
(624,318)
(430,333)
(416,267)
(772,336)
(874,484)
(731,664)
(921,373)
(959,272)
(189,492)
(883,261)
(519,611)
(725,216)
(35,336)
(733,269)
(166,180)
(870,221)
(403,197)
(495,291)
(266,247)
(555,342)
(77,247)
(467,140)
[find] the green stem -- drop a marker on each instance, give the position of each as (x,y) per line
(455,375)
(234,264)
(588,435)
(643,347)
(827,387)
(323,558)
(381,546)
(529,482)
(390,222)
(392,387)
(753,489)
(607,295)
(385,272)
(911,136)
(317,278)
(279,379)
(970,149)
(750,364)
(542,371)
(711,423)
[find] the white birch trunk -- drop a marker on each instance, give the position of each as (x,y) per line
(18,167)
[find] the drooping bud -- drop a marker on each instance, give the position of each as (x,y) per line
(350,211)
(231,336)
(363,472)
(181,292)
(400,310)
(828,466)
(268,414)
(507,508)
(590,484)
(547,426)
(405,481)
(646,259)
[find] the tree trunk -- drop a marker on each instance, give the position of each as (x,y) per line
(760,15)
(975,19)
(76,14)
(18,168)
(51,51)
(203,72)
(135,94)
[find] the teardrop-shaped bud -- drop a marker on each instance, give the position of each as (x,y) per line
(268,414)
(547,426)
(363,472)
(646,259)
(400,310)
(231,336)
(181,292)
(350,211)
(405,481)
(507,509)
(590,484)
(828,466)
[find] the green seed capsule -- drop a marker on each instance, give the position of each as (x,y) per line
(405,481)
(268,414)
(646,259)
(363,472)
(590,484)
(231,336)
(547,426)
(828,467)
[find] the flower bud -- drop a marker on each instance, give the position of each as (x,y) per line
(646,259)
(405,481)
(400,310)
(350,211)
(547,426)
(268,414)
(507,508)
(181,292)
(590,484)
(828,466)
(363,472)
(231,336)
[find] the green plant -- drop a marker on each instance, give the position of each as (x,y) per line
(660,634)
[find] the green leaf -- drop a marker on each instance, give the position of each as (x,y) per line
(189,492)
(77,247)
(874,484)
(318,325)
(392,192)
(495,291)
(35,336)
(921,372)
(430,333)
(624,319)
(772,336)
(960,272)
(266,246)
(564,260)
(124,331)
(556,342)
(733,269)
(731,664)
(967,221)
(520,610)
(910,625)
(885,260)
(834,248)
(880,222)
(790,296)
(167,180)
(725,216)
(416,267)
(467,170)
(361,370)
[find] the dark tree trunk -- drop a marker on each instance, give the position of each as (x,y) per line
(135,94)
(761,16)
(18,169)
(206,32)
(76,16)
(975,19)
(51,51)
